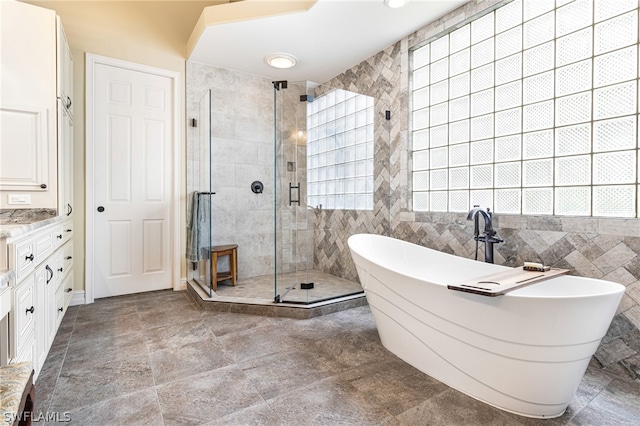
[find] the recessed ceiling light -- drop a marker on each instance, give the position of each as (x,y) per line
(394,4)
(280,60)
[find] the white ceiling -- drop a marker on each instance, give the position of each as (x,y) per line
(330,38)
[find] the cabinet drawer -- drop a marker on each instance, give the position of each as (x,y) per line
(67,257)
(67,232)
(23,315)
(58,236)
(59,271)
(44,244)
(67,289)
(24,257)
(60,306)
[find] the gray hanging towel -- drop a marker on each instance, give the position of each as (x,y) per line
(198,228)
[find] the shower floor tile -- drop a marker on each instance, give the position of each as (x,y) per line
(262,287)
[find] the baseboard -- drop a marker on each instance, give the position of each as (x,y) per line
(78,298)
(182,285)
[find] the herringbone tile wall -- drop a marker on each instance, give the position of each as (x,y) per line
(589,247)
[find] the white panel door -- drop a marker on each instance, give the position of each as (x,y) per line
(133,128)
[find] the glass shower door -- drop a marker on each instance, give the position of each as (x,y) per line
(199,237)
(293,252)
(324,168)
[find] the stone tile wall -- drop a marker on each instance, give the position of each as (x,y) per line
(242,151)
(589,247)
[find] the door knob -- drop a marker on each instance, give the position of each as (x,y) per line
(100,209)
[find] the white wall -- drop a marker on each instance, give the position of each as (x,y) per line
(130,31)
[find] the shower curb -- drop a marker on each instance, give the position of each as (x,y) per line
(270,309)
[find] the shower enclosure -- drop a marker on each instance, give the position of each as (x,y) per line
(269,166)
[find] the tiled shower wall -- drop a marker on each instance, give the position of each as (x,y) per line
(589,247)
(242,151)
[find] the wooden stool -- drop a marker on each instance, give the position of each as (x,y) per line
(230,250)
(17,393)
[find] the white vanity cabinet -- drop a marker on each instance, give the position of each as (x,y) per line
(42,291)
(36,109)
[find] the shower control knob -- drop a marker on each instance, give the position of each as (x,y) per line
(257,187)
(100,209)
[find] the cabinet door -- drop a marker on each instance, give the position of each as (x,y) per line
(65,70)
(23,148)
(28,103)
(23,316)
(65,163)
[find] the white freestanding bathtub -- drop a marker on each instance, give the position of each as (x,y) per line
(524,352)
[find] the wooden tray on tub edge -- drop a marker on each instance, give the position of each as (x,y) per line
(502,282)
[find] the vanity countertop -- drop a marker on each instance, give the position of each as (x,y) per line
(6,276)
(10,230)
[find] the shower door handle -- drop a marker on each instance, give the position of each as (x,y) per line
(291,187)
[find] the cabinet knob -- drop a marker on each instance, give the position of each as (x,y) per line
(100,209)
(59,269)
(29,258)
(31,309)
(43,186)
(59,236)
(68,257)
(68,290)
(61,309)
(68,230)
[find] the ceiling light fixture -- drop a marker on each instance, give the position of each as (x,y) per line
(394,4)
(280,60)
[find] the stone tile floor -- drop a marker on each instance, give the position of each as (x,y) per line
(154,359)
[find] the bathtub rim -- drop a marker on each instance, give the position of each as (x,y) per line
(605,287)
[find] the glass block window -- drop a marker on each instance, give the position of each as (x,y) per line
(531,108)
(340,147)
